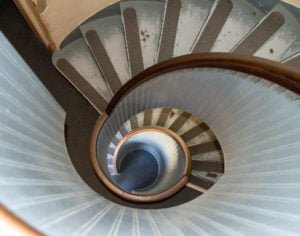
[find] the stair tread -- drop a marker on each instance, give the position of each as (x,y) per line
(241,20)
(201,181)
(180,121)
(149,16)
(163,117)
(204,148)
(213,26)
(208,166)
(79,56)
(289,34)
(110,32)
(79,82)
(294,61)
(194,132)
(134,122)
(211,176)
(193,15)
(169,28)
(281,39)
(77,64)
(147,117)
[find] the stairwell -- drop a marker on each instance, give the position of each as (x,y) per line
(218,128)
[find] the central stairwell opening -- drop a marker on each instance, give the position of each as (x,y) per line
(198,129)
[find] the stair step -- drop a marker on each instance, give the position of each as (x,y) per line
(169,29)
(163,117)
(211,176)
(194,132)
(243,17)
(134,122)
(215,155)
(77,64)
(115,141)
(142,21)
(292,29)
(262,33)
(133,45)
(216,20)
(123,131)
(111,151)
(202,182)
(147,117)
(156,112)
(204,148)
(110,162)
(111,169)
(276,38)
(106,40)
(294,61)
(180,121)
(208,166)
(193,15)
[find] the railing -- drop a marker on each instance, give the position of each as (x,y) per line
(198,84)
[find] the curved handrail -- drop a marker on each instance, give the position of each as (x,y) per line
(275,72)
(265,69)
(13,225)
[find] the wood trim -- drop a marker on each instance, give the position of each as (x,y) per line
(121,193)
(294,3)
(33,20)
(269,70)
(11,225)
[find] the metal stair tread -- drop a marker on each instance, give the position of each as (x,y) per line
(110,32)
(149,16)
(79,56)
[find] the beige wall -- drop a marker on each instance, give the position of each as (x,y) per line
(53,20)
(293,2)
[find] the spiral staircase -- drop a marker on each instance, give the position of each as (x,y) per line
(194,96)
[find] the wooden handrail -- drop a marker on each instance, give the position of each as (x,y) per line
(10,225)
(262,68)
(275,72)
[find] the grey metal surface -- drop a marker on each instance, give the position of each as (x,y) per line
(293,61)
(169,27)
(110,32)
(285,42)
(256,38)
(241,20)
(78,55)
(193,15)
(149,17)
(213,26)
